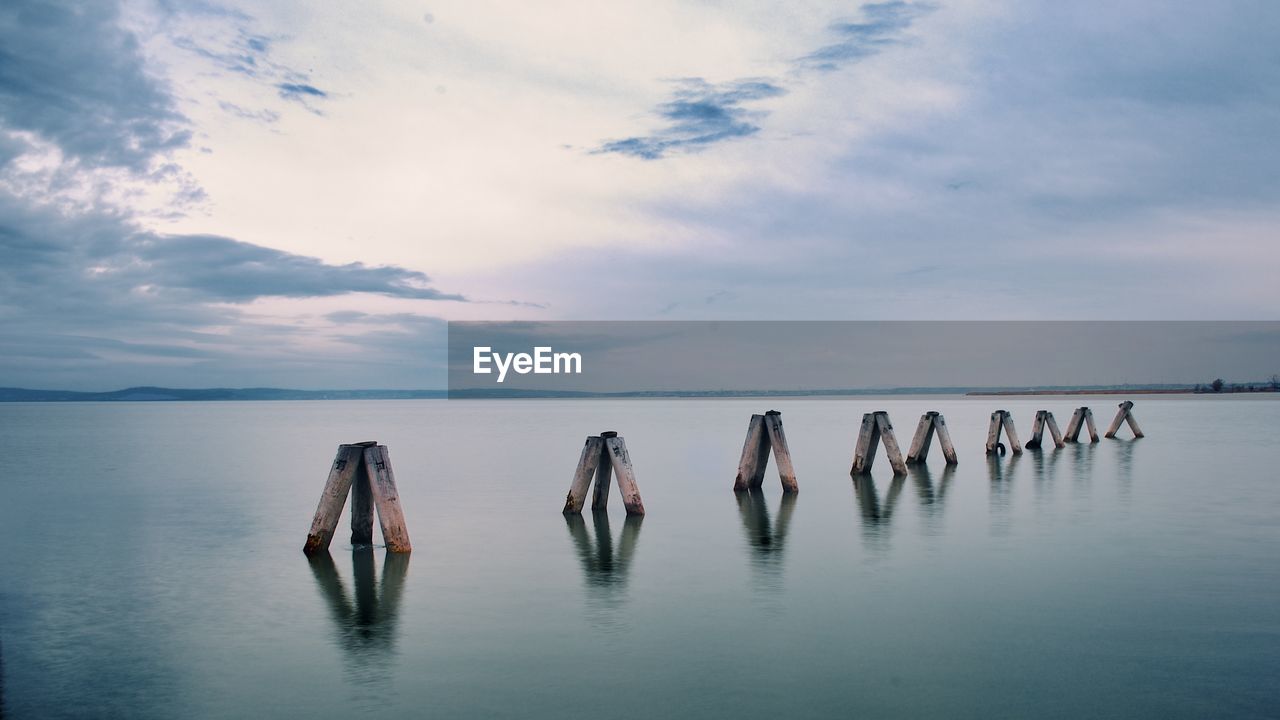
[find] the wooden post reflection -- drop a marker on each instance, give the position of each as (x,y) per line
(364,622)
(604,569)
(764,536)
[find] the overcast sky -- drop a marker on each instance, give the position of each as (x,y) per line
(299,194)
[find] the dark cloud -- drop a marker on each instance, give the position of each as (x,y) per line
(51,254)
(699,114)
(222,269)
(882,26)
(70,75)
(291,90)
(89,299)
(302,94)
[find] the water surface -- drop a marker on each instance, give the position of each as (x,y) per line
(152,566)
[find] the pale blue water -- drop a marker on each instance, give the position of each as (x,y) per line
(151,566)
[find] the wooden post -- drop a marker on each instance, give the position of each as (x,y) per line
(1011,433)
(1133,424)
(1124,414)
(931,423)
(755,455)
(621,460)
(361,508)
(1054,432)
(781,453)
(587,464)
(891,448)
(993,432)
(1044,419)
(382,481)
(1037,430)
(600,497)
(361,504)
(944,439)
(923,438)
(332,498)
(876,429)
(864,453)
(1001,419)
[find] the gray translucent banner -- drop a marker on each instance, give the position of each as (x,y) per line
(582,359)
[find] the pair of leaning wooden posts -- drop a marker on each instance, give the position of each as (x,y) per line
(363,470)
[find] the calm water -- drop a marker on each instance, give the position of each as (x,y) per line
(151,566)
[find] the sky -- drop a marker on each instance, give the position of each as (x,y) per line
(302,194)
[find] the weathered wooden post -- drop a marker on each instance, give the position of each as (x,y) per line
(386,498)
(876,428)
(1002,419)
(1044,418)
(1124,414)
(604,470)
(600,454)
(333,497)
(765,435)
(1082,416)
(361,507)
(588,462)
(930,423)
(364,471)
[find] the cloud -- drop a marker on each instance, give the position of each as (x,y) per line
(699,114)
(229,41)
(302,94)
(70,75)
(52,255)
(298,90)
(882,27)
(223,269)
(87,297)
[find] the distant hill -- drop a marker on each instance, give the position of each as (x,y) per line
(147,394)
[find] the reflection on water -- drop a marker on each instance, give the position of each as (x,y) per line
(1002,473)
(931,495)
(1044,471)
(1124,467)
(1081,460)
(1044,463)
(875,513)
(604,569)
(365,625)
(765,538)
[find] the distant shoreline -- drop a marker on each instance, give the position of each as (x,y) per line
(1143,391)
(1146,391)
(158,394)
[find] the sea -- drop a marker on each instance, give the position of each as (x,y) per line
(151,564)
